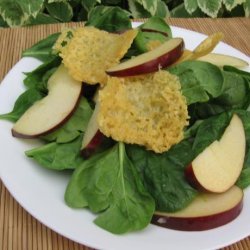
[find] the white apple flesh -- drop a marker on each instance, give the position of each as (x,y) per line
(52,111)
(93,137)
(218,167)
(206,211)
(221,60)
(151,61)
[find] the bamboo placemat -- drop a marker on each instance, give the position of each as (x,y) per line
(18,229)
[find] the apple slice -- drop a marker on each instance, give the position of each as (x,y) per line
(53,110)
(207,211)
(93,137)
(221,60)
(151,61)
(218,167)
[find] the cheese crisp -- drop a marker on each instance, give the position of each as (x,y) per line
(90,52)
(147,110)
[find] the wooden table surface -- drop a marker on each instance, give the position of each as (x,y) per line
(18,229)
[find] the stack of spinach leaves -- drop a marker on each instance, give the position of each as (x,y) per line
(125,184)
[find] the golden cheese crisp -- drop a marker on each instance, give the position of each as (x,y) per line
(204,48)
(90,52)
(147,110)
(63,40)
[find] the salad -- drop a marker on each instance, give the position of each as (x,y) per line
(130,181)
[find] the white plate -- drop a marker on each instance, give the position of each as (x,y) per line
(40,191)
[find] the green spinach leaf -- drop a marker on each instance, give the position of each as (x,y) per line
(163,174)
(74,126)
(235,95)
(23,102)
(109,183)
(199,80)
(43,49)
(38,78)
(210,130)
(154,29)
(242,73)
(58,156)
(238,71)
(244,179)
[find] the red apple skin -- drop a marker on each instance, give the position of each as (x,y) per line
(93,145)
(192,180)
(198,223)
(155,31)
(23,136)
(153,65)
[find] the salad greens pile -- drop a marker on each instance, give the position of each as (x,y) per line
(125,184)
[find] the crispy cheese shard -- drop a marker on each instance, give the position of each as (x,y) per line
(204,48)
(147,110)
(207,46)
(63,40)
(90,52)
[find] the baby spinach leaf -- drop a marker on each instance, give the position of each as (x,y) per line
(192,130)
(108,183)
(242,73)
(74,126)
(244,179)
(43,49)
(23,102)
(210,130)
(199,80)
(238,71)
(235,95)
(38,78)
(95,172)
(58,156)
(112,19)
(163,174)
(154,29)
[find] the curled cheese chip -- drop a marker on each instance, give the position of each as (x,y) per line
(90,52)
(63,40)
(184,57)
(147,110)
(208,45)
(204,48)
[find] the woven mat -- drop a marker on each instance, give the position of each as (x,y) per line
(18,229)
